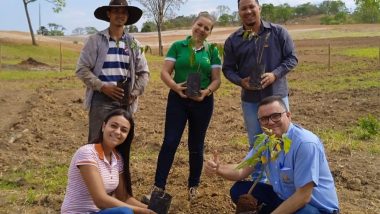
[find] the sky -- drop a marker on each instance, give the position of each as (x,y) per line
(79,13)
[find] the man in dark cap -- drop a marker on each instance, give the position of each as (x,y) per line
(112,65)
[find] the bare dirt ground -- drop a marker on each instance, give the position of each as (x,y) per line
(44,127)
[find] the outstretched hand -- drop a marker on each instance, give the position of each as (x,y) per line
(212,165)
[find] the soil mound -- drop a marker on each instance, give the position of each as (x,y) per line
(32,62)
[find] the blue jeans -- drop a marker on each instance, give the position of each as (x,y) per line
(264,194)
(251,122)
(116,210)
(179,111)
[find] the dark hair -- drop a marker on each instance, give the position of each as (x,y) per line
(272,99)
(124,148)
(206,15)
(257,1)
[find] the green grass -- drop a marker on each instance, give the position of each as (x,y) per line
(15,53)
(37,181)
(337,83)
(33,75)
(334,140)
(334,33)
(37,79)
(371,52)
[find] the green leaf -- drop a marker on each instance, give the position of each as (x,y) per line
(287,143)
(260,138)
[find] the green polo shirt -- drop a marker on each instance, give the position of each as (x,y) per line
(206,58)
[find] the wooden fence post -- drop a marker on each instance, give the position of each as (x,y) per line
(329,61)
(60,57)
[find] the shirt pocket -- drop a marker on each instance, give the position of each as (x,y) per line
(286,176)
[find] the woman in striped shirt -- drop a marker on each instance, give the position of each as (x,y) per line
(99,178)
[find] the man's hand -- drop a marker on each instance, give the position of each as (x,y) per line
(112,91)
(245,83)
(267,79)
(212,165)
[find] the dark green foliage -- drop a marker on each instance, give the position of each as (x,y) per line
(368,128)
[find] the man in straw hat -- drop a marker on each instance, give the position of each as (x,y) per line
(112,66)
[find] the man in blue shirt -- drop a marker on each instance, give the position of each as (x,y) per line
(300,180)
(257,43)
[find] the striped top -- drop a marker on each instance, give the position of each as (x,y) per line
(116,64)
(77,197)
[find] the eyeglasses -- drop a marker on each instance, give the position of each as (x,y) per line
(275,117)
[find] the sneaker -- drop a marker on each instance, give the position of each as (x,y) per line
(146,198)
(193,193)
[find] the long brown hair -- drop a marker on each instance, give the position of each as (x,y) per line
(124,148)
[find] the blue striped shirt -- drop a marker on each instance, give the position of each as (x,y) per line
(116,64)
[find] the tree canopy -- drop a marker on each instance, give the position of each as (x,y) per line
(159,10)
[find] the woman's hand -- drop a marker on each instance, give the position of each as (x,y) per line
(180,89)
(203,93)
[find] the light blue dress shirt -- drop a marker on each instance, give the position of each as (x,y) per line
(305,162)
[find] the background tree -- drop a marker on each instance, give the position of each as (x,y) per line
(55,29)
(235,17)
(368,11)
(306,9)
(221,10)
(58,5)
(332,7)
(268,12)
(43,31)
(90,30)
(78,31)
(132,29)
(225,19)
(159,10)
(148,26)
(283,13)
(179,22)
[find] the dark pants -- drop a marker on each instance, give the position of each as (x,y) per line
(264,194)
(178,112)
(101,105)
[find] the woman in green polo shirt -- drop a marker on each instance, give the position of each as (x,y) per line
(193,56)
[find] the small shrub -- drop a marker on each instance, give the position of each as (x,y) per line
(368,128)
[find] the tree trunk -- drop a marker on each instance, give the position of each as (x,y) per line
(160,48)
(29,22)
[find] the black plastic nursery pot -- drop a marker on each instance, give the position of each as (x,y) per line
(160,202)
